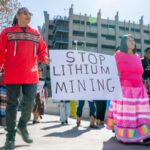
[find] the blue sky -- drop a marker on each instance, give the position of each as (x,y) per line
(128,9)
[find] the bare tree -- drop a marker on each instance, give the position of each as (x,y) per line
(8,9)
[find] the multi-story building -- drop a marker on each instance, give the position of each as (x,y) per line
(94,34)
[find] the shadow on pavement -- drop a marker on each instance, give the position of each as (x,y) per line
(52,127)
(16,146)
(113,144)
(72,133)
(42,122)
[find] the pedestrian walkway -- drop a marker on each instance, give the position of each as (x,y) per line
(51,135)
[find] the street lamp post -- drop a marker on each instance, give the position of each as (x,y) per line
(76,42)
(84,42)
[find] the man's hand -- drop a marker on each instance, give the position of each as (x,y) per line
(47,60)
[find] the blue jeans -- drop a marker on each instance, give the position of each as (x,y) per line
(80,108)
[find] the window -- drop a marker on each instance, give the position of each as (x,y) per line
(138,50)
(78,33)
(108,47)
(111,26)
(91,45)
(137,40)
(50,37)
(78,22)
(135,30)
(109,37)
(146,31)
(51,27)
(124,28)
(147,42)
(104,25)
(91,35)
(91,24)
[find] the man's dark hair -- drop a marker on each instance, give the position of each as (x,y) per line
(15,20)
(147,49)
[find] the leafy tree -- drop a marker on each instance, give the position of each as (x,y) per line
(8,9)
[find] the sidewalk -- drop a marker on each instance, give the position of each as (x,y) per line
(51,135)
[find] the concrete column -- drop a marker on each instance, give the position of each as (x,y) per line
(85,30)
(129,26)
(134,29)
(117,29)
(125,32)
(46,18)
(99,42)
(141,35)
(149,31)
(70,27)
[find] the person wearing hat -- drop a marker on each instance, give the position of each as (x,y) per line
(146,67)
(21,47)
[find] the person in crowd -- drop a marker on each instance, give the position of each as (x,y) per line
(100,112)
(64,109)
(146,67)
(21,47)
(129,117)
(107,107)
(92,113)
(3,101)
(41,98)
(73,109)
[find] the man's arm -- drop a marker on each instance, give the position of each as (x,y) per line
(42,52)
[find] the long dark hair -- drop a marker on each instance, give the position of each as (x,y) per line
(15,21)
(123,43)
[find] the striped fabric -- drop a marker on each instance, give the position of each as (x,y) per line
(130,117)
(23,36)
(3,103)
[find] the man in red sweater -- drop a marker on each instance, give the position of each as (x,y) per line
(21,47)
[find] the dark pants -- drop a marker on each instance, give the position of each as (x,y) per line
(100,109)
(80,108)
(13,93)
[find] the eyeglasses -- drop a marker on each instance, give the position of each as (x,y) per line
(26,13)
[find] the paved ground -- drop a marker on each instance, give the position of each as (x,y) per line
(50,135)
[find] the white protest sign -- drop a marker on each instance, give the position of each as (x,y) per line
(83,75)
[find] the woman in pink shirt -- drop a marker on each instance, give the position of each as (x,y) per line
(130,117)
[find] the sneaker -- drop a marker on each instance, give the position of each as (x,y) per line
(62,123)
(146,141)
(9,144)
(93,126)
(10,139)
(66,122)
(24,134)
(35,121)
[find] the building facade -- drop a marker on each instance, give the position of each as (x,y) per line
(87,33)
